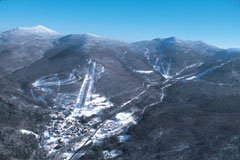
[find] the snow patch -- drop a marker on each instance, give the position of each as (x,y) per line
(125,118)
(114,126)
(93,107)
(123,138)
(142,71)
(56,80)
(111,154)
(46,134)
(166,76)
(27,132)
(191,78)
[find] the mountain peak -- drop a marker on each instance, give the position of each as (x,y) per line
(22,34)
(38,29)
(43,28)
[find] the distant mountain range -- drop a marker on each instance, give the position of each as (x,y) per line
(81,96)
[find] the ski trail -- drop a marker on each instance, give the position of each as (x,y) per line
(82,91)
(163,72)
(202,74)
(133,99)
(188,67)
(86,88)
(91,83)
(207,71)
(161,98)
(139,95)
(160,68)
(169,65)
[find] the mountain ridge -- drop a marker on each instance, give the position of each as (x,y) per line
(42,29)
(81,96)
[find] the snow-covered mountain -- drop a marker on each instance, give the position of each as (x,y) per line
(40,31)
(88,97)
(21,46)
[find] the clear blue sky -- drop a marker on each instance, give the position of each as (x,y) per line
(214,21)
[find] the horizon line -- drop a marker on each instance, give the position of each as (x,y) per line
(125,41)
